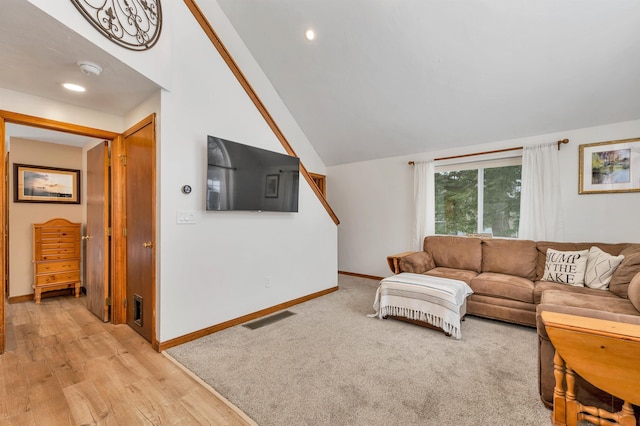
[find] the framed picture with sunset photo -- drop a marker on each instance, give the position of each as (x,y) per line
(607,167)
(39,184)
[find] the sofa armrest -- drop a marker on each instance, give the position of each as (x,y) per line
(416,262)
(394,260)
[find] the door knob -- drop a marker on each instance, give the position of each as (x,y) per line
(148,244)
(86,237)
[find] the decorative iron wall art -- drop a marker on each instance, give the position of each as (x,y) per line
(134,24)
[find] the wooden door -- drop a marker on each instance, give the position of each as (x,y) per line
(4,222)
(139,145)
(7,289)
(96,264)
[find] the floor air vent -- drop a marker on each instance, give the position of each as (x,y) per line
(268,320)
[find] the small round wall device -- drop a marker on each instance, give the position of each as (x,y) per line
(186,189)
(89,68)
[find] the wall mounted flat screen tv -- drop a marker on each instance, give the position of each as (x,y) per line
(243,177)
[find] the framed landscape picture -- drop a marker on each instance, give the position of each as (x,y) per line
(610,167)
(39,184)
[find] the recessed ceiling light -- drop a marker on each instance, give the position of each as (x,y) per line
(310,34)
(73,87)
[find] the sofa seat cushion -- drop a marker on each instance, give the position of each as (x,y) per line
(452,273)
(511,257)
(614,309)
(503,286)
(616,305)
(541,286)
(455,252)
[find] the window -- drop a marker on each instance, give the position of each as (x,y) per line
(479,197)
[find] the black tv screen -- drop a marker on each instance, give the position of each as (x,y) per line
(243,177)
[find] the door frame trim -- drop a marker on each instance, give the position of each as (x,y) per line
(119,222)
(43,123)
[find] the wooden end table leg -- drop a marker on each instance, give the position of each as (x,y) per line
(77,290)
(37,295)
(572,406)
(559,402)
(627,416)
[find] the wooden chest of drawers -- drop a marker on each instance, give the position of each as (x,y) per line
(56,256)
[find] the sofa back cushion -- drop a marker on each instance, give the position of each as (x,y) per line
(629,267)
(511,257)
(612,249)
(634,292)
(455,252)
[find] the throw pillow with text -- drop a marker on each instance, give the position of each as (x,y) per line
(566,267)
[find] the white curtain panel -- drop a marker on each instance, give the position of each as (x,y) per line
(540,198)
(423,196)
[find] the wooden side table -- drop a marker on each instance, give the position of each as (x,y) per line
(604,353)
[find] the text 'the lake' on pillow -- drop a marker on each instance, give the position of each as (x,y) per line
(566,267)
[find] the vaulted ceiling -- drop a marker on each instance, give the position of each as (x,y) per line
(391,77)
(388,77)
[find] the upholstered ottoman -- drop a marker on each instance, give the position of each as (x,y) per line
(438,302)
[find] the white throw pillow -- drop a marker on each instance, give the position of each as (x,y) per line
(600,268)
(566,267)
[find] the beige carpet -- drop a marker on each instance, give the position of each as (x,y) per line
(332,365)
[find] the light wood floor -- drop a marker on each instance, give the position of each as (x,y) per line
(63,366)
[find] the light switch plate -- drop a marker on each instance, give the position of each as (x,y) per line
(184,217)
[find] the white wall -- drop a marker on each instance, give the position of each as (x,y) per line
(262,86)
(227,264)
(218,268)
(13,101)
(374,200)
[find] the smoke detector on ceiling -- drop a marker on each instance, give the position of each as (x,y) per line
(89,68)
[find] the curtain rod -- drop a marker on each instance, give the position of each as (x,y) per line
(560,142)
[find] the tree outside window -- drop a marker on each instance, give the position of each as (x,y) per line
(479,200)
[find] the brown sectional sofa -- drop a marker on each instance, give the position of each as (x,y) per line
(505,276)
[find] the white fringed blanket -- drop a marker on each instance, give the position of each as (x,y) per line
(434,300)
